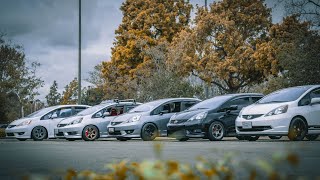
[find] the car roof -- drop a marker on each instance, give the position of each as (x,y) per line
(68,105)
(245,94)
(160,101)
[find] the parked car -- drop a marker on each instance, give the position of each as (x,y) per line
(3,126)
(148,120)
(40,124)
(292,112)
(213,118)
(92,123)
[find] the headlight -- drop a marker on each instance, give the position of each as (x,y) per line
(24,123)
(278,110)
(199,116)
(77,121)
(133,119)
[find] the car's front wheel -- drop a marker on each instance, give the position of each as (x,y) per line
(216,131)
(149,132)
(39,133)
(312,137)
(297,130)
(90,133)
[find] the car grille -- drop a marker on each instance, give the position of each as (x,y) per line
(115,133)
(115,123)
(61,125)
(10,134)
(11,126)
(176,121)
(251,116)
(254,128)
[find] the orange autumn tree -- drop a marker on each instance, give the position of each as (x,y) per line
(226,46)
(145,24)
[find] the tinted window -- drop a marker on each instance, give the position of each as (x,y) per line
(186,105)
(58,113)
(169,108)
(306,100)
(212,103)
(284,95)
(255,99)
(79,109)
(315,93)
(240,102)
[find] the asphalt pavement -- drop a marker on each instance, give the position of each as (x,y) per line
(56,156)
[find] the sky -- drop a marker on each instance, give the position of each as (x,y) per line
(48,32)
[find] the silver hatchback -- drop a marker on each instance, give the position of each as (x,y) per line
(148,120)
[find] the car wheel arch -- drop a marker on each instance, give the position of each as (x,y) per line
(302,117)
(149,123)
(214,120)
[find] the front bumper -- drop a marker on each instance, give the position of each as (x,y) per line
(270,125)
(22,132)
(192,130)
(128,130)
(69,132)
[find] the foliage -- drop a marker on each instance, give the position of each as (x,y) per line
(224,46)
(145,23)
(54,96)
(17,79)
(92,96)
(70,94)
(2,132)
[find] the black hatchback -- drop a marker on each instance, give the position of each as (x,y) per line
(213,118)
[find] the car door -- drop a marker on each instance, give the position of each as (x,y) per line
(53,118)
(311,112)
(163,113)
(229,117)
(102,121)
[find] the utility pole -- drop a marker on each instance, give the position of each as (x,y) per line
(205,4)
(206,86)
(79,55)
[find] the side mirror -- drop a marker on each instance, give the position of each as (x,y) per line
(164,112)
(315,101)
(53,116)
(105,114)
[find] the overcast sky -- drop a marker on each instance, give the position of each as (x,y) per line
(48,31)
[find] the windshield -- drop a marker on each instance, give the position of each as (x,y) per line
(212,103)
(146,107)
(41,112)
(284,95)
(91,110)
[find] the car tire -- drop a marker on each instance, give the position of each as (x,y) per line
(69,139)
(241,138)
(123,139)
(275,137)
(298,129)
(252,138)
(90,133)
(312,137)
(39,133)
(20,139)
(149,132)
(216,131)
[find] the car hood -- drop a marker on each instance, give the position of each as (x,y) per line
(125,117)
(19,121)
(188,113)
(261,108)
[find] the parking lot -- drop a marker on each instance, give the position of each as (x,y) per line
(56,156)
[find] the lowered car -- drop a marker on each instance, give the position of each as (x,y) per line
(213,118)
(148,120)
(292,112)
(41,124)
(92,123)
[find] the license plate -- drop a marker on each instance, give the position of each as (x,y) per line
(246,125)
(111,130)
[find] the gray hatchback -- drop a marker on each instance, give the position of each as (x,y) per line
(148,120)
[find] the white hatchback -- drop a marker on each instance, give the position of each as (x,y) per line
(292,112)
(41,124)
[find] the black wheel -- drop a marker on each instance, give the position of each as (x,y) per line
(216,131)
(297,130)
(21,139)
(70,139)
(122,139)
(149,132)
(39,133)
(252,138)
(241,138)
(90,133)
(312,137)
(275,137)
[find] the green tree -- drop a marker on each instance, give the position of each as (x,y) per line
(54,96)
(223,47)
(70,93)
(17,79)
